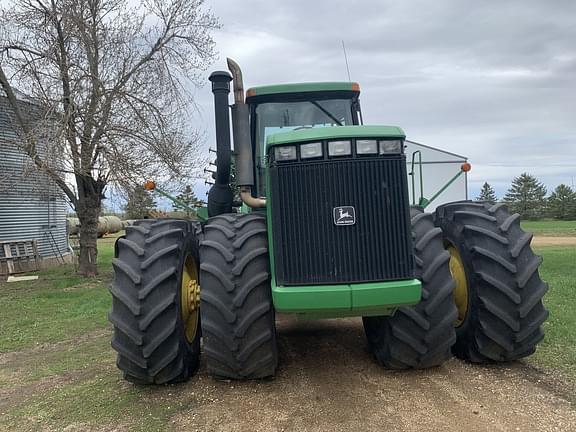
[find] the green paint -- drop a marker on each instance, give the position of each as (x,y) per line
(335,132)
(333,301)
(300,88)
(269,199)
(393,293)
(202,214)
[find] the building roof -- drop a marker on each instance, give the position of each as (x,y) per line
(21,96)
(437,149)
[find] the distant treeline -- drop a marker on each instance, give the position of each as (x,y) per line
(528,197)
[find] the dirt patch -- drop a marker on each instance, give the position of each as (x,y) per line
(328,381)
(554,241)
(14,396)
(43,348)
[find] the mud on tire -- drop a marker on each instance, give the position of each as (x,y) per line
(419,336)
(236,302)
(505,309)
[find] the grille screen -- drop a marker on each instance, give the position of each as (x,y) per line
(343,221)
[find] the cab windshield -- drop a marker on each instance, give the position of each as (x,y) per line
(277,117)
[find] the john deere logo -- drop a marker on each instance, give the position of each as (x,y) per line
(345,215)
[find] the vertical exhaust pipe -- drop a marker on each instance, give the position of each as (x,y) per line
(242,140)
(220,196)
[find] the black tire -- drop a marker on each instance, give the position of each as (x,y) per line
(146,313)
(419,336)
(505,309)
(236,303)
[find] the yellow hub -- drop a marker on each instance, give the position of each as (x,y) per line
(461,291)
(190,298)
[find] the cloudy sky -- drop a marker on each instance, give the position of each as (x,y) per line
(494,81)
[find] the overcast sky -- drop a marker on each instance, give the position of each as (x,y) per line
(494,81)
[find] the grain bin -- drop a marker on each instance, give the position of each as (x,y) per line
(32,207)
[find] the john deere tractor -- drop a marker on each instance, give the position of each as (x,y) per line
(324,229)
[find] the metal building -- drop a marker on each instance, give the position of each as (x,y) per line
(32,207)
(438,168)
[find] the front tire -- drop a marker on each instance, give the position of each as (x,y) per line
(499,291)
(419,336)
(157,343)
(237,310)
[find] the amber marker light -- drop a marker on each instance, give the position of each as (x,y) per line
(465,167)
(355,87)
(250,93)
(149,185)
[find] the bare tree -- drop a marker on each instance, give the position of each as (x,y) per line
(114,78)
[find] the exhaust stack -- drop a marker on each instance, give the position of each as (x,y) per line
(220,196)
(242,141)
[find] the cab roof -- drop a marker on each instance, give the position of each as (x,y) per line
(303,88)
(335,132)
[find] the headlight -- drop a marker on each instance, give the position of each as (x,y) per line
(390,147)
(339,148)
(311,150)
(285,153)
(366,147)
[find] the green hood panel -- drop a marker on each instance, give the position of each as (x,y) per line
(335,132)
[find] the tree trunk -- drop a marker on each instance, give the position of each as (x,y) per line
(90,194)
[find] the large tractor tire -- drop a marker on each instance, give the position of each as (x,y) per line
(155,302)
(419,336)
(498,289)
(237,312)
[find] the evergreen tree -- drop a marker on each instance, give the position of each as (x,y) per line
(487,194)
(139,203)
(562,203)
(526,196)
(188,197)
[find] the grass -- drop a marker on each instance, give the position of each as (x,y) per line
(59,305)
(58,369)
(552,228)
(558,350)
(102,399)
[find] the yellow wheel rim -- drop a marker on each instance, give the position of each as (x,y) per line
(190,298)
(461,290)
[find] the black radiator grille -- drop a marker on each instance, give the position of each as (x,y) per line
(310,249)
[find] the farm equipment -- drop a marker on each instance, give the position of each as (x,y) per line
(325,230)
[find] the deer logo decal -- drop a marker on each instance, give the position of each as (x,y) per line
(344,215)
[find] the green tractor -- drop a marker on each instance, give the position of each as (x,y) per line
(325,229)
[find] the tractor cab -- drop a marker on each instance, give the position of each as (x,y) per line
(287,107)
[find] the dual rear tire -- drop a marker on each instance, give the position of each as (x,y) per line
(156,313)
(237,310)
(481,292)
(156,323)
(499,291)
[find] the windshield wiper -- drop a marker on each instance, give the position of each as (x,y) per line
(325,111)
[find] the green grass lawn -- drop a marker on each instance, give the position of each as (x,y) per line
(555,228)
(57,368)
(59,305)
(558,350)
